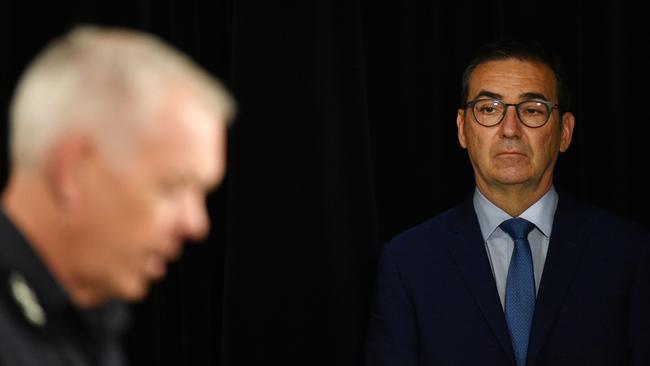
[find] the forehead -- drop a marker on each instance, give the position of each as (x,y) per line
(512,79)
(185,139)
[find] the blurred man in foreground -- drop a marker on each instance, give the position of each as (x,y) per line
(115,139)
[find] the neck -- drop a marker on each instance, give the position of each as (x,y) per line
(513,199)
(31,205)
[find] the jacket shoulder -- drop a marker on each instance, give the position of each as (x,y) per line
(605,223)
(426,236)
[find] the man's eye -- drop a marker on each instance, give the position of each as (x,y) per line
(488,109)
(533,111)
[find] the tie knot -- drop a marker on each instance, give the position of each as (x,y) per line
(517,228)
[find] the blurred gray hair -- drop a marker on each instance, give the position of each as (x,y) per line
(99,79)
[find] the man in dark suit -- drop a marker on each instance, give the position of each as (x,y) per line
(517,274)
(115,140)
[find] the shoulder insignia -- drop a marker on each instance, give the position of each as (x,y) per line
(26,299)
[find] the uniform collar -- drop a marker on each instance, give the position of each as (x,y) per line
(32,286)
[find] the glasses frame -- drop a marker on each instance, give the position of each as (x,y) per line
(550,106)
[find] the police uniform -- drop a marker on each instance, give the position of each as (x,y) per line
(39,325)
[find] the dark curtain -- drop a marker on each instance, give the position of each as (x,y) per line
(346,136)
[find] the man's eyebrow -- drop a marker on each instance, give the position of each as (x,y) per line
(532,95)
(488,94)
(523,96)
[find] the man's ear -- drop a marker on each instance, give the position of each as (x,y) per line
(460,123)
(568,122)
(66,164)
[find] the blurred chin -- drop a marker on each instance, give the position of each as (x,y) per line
(137,285)
(133,291)
(156,267)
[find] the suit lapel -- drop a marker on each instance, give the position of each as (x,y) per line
(564,253)
(468,250)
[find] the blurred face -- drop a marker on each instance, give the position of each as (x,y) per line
(134,213)
(510,153)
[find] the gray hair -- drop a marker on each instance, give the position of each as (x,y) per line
(85,80)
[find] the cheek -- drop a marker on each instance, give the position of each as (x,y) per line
(478,145)
(132,214)
(548,146)
(127,215)
(144,219)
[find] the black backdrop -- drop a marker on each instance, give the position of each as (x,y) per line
(346,136)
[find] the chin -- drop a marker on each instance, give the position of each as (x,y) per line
(134,291)
(512,176)
(513,181)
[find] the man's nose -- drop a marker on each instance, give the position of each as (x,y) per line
(511,125)
(194,219)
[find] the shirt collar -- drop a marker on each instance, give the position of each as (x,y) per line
(541,213)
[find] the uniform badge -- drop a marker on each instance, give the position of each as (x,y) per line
(27,300)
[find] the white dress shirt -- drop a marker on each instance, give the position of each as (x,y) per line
(499,245)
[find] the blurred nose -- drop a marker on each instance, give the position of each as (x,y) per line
(511,125)
(193,217)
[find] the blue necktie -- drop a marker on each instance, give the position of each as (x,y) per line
(520,287)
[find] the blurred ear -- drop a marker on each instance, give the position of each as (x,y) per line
(460,123)
(568,122)
(66,164)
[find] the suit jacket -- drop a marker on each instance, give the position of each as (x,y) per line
(436,301)
(39,326)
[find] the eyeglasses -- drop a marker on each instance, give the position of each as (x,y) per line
(532,113)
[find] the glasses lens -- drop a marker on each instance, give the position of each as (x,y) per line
(533,113)
(488,112)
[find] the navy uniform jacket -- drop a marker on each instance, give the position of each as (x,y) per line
(38,324)
(436,301)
